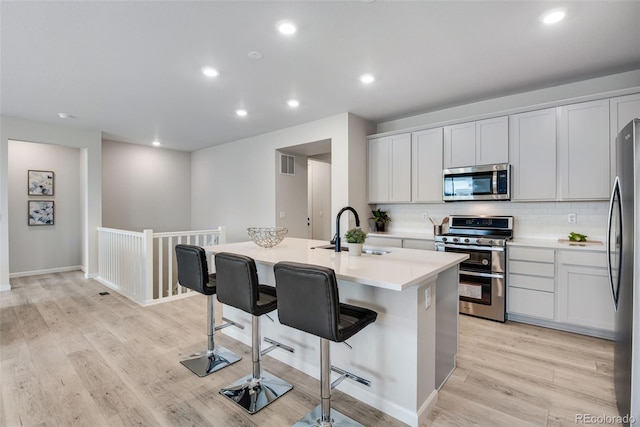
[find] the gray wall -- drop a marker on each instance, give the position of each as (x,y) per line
(291,197)
(47,247)
(234,184)
(145,188)
(89,142)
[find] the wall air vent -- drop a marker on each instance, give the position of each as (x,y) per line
(287,163)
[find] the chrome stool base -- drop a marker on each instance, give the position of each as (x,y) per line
(203,364)
(253,394)
(314,419)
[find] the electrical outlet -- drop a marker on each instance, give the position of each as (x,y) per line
(572,218)
(424,215)
(283,215)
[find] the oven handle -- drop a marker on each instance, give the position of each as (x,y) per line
(475,248)
(489,275)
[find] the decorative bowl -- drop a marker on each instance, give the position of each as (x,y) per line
(267,237)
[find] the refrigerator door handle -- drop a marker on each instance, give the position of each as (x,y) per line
(615,191)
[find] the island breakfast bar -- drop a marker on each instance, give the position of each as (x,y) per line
(407,353)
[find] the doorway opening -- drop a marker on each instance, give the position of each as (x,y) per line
(303,193)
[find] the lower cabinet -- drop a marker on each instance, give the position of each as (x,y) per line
(584,294)
(563,289)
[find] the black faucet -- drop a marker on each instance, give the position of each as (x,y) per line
(337,237)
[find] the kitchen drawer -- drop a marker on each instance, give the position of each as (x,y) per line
(587,259)
(535,283)
(530,303)
(428,245)
(532,268)
(531,254)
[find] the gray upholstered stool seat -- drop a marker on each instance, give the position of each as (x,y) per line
(308,300)
(193,273)
(237,282)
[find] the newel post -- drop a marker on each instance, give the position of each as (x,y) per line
(223,235)
(148,266)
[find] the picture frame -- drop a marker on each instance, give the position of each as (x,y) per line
(40,183)
(41,212)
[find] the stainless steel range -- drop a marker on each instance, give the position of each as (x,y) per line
(483,277)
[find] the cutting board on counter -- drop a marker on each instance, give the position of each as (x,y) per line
(587,243)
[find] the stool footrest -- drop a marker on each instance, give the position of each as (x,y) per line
(338,419)
(275,344)
(344,374)
(229,323)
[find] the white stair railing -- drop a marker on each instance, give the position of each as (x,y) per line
(142,266)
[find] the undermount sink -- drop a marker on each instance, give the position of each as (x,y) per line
(370,251)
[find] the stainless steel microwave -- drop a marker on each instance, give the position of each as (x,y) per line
(486,182)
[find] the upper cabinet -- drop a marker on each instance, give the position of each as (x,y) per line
(622,110)
(483,142)
(583,151)
(532,147)
(390,169)
(426,166)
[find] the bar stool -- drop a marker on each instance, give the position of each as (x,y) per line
(308,300)
(238,287)
(193,273)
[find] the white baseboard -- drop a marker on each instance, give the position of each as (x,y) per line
(46,271)
(5,288)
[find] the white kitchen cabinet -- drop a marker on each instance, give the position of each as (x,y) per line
(492,141)
(532,154)
(531,282)
(389,172)
(622,110)
(584,294)
(460,145)
(583,151)
(426,167)
(482,142)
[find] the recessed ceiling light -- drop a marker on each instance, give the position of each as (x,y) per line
(293,103)
(156,143)
(241,112)
(209,71)
(65,116)
(286,27)
(554,16)
(367,78)
(254,55)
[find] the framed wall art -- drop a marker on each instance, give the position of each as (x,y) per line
(41,212)
(40,183)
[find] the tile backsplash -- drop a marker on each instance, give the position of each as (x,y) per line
(532,220)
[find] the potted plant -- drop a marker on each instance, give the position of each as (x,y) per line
(380,219)
(355,238)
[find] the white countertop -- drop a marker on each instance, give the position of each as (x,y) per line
(555,244)
(398,270)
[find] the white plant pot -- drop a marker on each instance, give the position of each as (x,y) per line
(355,249)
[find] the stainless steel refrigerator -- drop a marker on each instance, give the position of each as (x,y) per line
(623,250)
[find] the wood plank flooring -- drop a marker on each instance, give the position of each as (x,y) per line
(71,357)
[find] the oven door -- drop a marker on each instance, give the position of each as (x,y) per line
(482,294)
(485,259)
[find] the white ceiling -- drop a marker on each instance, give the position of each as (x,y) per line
(132,69)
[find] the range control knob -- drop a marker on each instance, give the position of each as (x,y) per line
(479,242)
(444,239)
(466,240)
(455,240)
(491,242)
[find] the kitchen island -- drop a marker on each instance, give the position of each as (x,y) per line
(407,353)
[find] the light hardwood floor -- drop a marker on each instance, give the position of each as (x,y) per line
(71,357)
